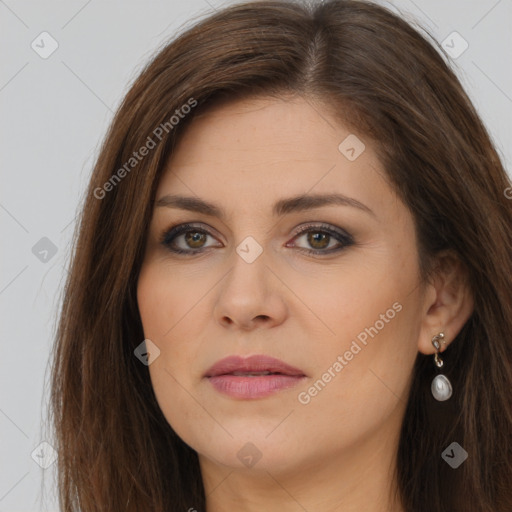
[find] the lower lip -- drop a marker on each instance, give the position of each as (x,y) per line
(253,387)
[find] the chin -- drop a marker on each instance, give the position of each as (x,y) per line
(253,449)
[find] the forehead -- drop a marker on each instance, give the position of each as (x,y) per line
(249,151)
(255,130)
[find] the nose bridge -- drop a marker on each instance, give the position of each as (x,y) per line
(249,268)
(248,293)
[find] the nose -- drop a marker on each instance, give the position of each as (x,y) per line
(250,296)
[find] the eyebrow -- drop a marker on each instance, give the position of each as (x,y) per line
(285,206)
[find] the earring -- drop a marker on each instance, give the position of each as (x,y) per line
(441,387)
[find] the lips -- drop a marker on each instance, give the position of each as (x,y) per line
(252,377)
(256,365)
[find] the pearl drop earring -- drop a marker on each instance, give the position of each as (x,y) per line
(441,387)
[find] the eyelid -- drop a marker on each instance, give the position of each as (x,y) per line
(322,226)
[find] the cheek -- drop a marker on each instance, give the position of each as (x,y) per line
(346,298)
(372,318)
(163,299)
(150,293)
(163,304)
(370,382)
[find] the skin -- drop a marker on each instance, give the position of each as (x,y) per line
(336,452)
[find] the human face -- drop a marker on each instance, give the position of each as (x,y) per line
(346,317)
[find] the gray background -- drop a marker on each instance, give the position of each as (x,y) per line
(54,114)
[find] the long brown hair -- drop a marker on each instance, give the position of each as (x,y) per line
(385,79)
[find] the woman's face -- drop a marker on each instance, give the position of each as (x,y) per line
(346,318)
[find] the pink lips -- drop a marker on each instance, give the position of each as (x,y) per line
(256,376)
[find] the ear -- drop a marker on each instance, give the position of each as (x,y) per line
(448,303)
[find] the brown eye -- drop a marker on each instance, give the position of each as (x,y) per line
(318,239)
(195,239)
(185,239)
(323,239)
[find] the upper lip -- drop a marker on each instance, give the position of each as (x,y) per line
(252,364)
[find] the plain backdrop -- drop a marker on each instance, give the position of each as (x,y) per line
(54,113)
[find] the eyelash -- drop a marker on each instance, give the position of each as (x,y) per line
(169,236)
